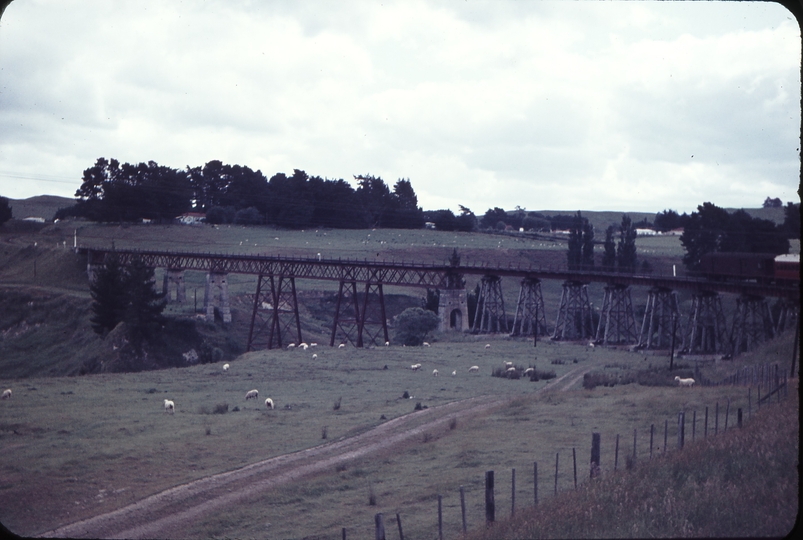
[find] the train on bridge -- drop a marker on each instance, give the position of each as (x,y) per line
(766,268)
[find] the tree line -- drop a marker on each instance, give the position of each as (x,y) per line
(123,192)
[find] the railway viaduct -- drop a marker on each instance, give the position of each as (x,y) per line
(360,313)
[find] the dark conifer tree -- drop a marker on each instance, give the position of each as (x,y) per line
(144,307)
(626,250)
(108,296)
(609,256)
(587,246)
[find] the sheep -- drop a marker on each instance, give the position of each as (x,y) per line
(341,346)
(473,369)
(303,346)
(508,364)
(7,393)
(291,345)
(314,356)
(170,406)
(591,344)
(454,372)
(252,394)
(225,367)
(510,369)
(435,373)
(313,344)
(425,344)
(269,403)
(387,344)
(415,367)
(528,371)
(684,382)
(487,345)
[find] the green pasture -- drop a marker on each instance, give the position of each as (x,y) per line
(82,445)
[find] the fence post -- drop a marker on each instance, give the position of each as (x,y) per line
(380,526)
(666,434)
(535,483)
(398,522)
(595,445)
(513,493)
(634,447)
(716,419)
(681,429)
(705,433)
(574,461)
(616,454)
(440,517)
(652,428)
(749,401)
(557,455)
(463,507)
(727,412)
(739,418)
(489,497)
(343,532)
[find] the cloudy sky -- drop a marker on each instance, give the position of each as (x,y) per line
(631,106)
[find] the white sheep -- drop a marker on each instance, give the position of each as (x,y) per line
(487,345)
(425,344)
(252,394)
(591,344)
(170,406)
(387,344)
(314,356)
(528,371)
(473,369)
(225,367)
(508,364)
(454,372)
(415,367)
(269,403)
(684,382)
(291,345)
(303,346)
(435,373)
(341,346)
(7,393)
(313,344)
(510,369)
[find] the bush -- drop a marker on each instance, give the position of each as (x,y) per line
(413,325)
(248,216)
(221,408)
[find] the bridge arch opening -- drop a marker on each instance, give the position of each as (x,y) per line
(456,320)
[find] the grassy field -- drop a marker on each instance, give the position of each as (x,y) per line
(79,446)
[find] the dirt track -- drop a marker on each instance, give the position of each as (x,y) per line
(166,514)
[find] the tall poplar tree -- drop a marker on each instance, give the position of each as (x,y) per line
(626,250)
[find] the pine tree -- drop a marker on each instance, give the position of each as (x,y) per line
(626,250)
(143,313)
(609,256)
(587,247)
(575,253)
(108,295)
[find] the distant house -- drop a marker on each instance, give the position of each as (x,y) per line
(674,232)
(34,219)
(191,218)
(429,225)
(645,232)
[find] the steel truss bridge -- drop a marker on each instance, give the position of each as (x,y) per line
(360,313)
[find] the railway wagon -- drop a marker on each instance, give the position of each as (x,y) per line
(787,267)
(738,266)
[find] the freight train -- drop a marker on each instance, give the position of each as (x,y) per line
(757,267)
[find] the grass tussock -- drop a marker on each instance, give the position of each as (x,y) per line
(742,483)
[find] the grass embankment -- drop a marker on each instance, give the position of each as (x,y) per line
(741,483)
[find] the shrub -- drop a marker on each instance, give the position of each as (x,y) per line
(413,325)
(336,406)
(221,408)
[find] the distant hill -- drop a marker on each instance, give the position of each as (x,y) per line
(44,206)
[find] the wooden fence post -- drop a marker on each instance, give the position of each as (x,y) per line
(490,508)
(749,401)
(463,507)
(513,493)
(727,412)
(616,454)
(595,448)
(398,522)
(380,526)
(343,532)
(652,428)
(758,398)
(634,447)
(557,455)
(739,418)
(681,429)
(574,461)
(440,517)
(716,419)
(705,432)
(535,483)
(693,425)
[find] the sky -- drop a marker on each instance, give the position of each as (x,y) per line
(621,106)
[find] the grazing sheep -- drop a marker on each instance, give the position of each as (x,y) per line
(170,406)
(387,344)
(684,382)
(341,346)
(454,373)
(508,364)
(487,345)
(415,367)
(313,344)
(314,356)
(473,368)
(7,393)
(435,373)
(425,344)
(529,371)
(303,346)
(225,367)
(269,403)
(591,344)
(291,345)
(252,394)
(510,369)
